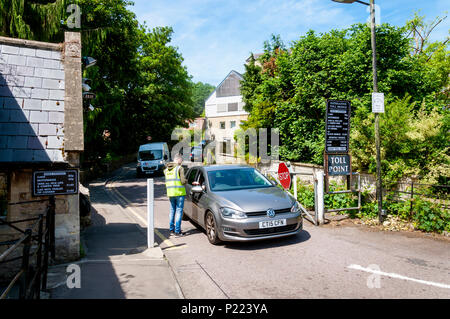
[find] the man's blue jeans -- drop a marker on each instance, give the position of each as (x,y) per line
(176,213)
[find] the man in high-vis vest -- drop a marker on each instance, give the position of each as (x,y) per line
(176,192)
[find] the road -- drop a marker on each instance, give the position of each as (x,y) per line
(320,262)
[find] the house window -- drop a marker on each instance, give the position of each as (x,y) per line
(232,107)
(222,125)
(3,195)
(232,124)
(221,108)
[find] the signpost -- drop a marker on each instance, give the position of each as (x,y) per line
(337,161)
(337,127)
(61,182)
(284,176)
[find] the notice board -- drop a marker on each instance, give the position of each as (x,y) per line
(337,127)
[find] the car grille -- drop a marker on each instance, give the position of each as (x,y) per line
(149,168)
(264,213)
(268,231)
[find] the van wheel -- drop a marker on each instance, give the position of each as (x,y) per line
(138,173)
(211,229)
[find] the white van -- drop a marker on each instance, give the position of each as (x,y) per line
(151,158)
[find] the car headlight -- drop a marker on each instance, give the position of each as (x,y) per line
(139,164)
(232,213)
(295,208)
(161,162)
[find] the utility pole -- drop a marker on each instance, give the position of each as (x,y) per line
(377,117)
(379,187)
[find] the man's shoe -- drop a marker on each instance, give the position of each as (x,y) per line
(179,235)
(172,233)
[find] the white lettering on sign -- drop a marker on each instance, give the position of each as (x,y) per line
(338,160)
(284,175)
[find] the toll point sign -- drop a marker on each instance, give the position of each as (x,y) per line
(339,165)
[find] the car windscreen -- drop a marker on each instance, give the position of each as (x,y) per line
(150,155)
(235,179)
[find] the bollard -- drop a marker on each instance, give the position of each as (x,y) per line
(320,198)
(150,214)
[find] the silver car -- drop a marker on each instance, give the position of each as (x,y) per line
(238,203)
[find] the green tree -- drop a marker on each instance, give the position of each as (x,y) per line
(290,89)
(200,93)
(32,19)
(140,84)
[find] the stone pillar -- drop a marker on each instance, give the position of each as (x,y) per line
(73,119)
(67,226)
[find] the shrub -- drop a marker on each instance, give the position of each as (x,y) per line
(430,216)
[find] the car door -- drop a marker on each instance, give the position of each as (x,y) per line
(199,200)
(190,176)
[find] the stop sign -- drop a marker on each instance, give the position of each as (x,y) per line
(284,176)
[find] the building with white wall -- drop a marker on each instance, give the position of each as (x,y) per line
(224,111)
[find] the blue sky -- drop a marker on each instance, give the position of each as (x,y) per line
(216,36)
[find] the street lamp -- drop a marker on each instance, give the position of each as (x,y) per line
(375,90)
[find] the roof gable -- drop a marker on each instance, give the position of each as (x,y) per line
(230,86)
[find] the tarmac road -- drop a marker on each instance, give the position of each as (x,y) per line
(320,262)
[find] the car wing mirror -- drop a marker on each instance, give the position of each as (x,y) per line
(197,189)
(165,157)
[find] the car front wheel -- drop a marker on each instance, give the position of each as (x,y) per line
(211,229)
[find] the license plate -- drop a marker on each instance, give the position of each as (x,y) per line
(272,223)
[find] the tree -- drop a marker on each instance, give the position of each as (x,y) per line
(32,19)
(200,93)
(140,84)
(290,89)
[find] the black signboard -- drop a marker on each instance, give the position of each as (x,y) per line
(339,165)
(62,182)
(337,127)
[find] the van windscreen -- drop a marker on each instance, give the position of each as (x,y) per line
(150,155)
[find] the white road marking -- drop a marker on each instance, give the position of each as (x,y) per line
(397,276)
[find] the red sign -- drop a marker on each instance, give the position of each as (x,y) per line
(284,176)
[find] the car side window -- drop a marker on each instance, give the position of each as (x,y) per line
(201,179)
(191,177)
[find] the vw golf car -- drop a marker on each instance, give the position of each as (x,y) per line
(238,203)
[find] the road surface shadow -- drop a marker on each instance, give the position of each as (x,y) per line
(301,237)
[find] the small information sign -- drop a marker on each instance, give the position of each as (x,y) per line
(61,182)
(377,102)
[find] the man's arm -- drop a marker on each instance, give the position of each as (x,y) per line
(182,177)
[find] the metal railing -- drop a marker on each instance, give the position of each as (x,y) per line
(439,193)
(305,213)
(31,278)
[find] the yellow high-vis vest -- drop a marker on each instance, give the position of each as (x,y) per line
(173,182)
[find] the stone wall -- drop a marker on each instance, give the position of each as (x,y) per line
(32,81)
